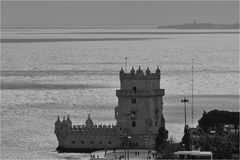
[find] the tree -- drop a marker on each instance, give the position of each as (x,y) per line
(170,148)
(161,139)
(186,139)
(217,119)
(222,146)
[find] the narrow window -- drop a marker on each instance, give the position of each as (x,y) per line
(134,100)
(133,113)
(73,142)
(134,89)
(82,142)
(100,142)
(109,142)
(156,123)
(133,124)
(91,142)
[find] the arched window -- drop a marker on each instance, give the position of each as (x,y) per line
(82,142)
(73,142)
(133,124)
(100,142)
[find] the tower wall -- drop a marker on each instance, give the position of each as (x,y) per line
(140,104)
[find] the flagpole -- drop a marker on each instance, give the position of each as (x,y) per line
(192,92)
(126,64)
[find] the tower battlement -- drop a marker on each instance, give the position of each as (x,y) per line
(67,127)
(140,74)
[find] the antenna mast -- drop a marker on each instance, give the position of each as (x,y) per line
(192,92)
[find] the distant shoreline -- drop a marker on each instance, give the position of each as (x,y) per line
(201,26)
(178,26)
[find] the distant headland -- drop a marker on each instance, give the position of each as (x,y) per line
(196,25)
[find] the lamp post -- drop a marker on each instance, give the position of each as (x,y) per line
(185,100)
(128,137)
(126,148)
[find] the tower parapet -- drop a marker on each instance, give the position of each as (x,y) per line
(88,128)
(89,122)
(139,74)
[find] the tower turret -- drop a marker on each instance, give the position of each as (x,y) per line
(121,73)
(64,121)
(57,125)
(158,70)
(132,71)
(140,71)
(148,71)
(58,121)
(68,121)
(89,122)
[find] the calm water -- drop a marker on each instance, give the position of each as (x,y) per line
(50,72)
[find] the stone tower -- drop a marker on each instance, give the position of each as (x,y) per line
(139,111)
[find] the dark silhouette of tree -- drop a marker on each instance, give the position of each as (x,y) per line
(217,119)
(170,148)
(222,146)
(161,139)
(186,139)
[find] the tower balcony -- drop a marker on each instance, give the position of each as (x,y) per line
(152,92)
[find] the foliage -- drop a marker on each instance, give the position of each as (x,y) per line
(165,148)
(222,146)
(161,139)
(216,118)
(170,148)
(186,138)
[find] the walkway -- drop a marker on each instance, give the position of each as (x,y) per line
(134,154)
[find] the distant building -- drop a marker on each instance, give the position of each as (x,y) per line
(194,22)
(231,128)
(138,115)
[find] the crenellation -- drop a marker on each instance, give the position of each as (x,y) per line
(139,74)
(83,129)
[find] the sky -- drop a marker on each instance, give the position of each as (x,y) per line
(104,13)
